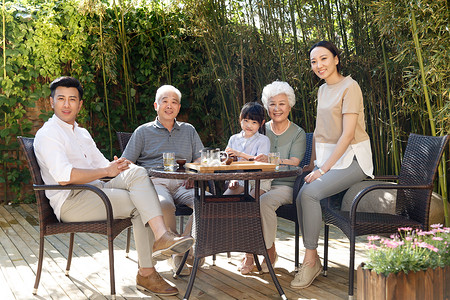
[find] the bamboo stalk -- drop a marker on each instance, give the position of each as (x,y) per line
(429,110)
(105,89)
(242,74)
(122,37)
(6,184)
(391,121)
(4,40)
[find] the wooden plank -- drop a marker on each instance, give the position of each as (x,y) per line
(5,290)
(90,268)
(53,272)
(28,249)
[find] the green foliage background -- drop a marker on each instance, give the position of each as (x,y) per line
(220,54)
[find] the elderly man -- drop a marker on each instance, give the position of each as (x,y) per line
(166,134)
(67,154)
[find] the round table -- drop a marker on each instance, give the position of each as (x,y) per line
(226,223)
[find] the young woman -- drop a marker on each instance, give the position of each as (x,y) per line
(341,153)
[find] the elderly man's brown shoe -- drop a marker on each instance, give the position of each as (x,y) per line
(169,243)
(155,284)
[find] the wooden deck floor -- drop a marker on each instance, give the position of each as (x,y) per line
(89,274)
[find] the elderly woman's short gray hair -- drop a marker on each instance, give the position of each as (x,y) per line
(164,89)
(276,88)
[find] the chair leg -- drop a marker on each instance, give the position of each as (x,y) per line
(191,279)
(40,260)
(111,266)
(325,250)
(214,260)
(181,226)
(297,246)
(229,257)
(128,242)
(351,268)
(69,256)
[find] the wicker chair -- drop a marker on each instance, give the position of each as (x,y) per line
(49,224)
(181,210)
(414,188)
(289,211)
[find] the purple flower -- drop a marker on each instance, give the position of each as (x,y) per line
(392,244)
(437,238)
(372,246)
(373,237)
(405,229)
(427,246)
(436,226)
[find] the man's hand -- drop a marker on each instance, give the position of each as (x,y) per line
(117,166)
(233,184)
(188,184)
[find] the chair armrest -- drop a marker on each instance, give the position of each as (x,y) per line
(359,196)
(386,177)
(99,192)
(298,185)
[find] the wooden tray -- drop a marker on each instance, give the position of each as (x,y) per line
(235,166)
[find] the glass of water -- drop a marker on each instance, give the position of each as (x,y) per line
(169,160)
(274,158)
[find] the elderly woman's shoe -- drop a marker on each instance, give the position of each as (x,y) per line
(247,264)
(264,267)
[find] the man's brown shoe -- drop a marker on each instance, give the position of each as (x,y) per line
(155,284)
(169,243)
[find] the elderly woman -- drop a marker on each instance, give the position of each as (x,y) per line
(290,141)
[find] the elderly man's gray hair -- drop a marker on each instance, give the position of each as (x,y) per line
(275,88)
(164,89)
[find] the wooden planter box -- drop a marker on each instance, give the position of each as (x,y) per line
(429,284)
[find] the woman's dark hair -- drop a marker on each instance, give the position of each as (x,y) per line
(333,49)
(254,111)
(66,81)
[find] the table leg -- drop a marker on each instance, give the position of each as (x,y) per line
(224,220)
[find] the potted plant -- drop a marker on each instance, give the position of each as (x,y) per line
(412,264)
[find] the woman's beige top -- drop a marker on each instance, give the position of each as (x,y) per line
(335,100)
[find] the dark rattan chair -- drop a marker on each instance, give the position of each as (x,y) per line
(414,188)
(289,211)
(49,224)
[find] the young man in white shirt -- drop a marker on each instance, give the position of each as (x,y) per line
(67,154)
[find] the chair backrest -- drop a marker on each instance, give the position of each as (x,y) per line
(306,159)
(419,167)
(46,214)
(123,138)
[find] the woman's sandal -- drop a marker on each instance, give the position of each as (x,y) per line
(245,267)
(265,268)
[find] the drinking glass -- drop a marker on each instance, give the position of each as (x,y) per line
(274,158)
(168,160)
